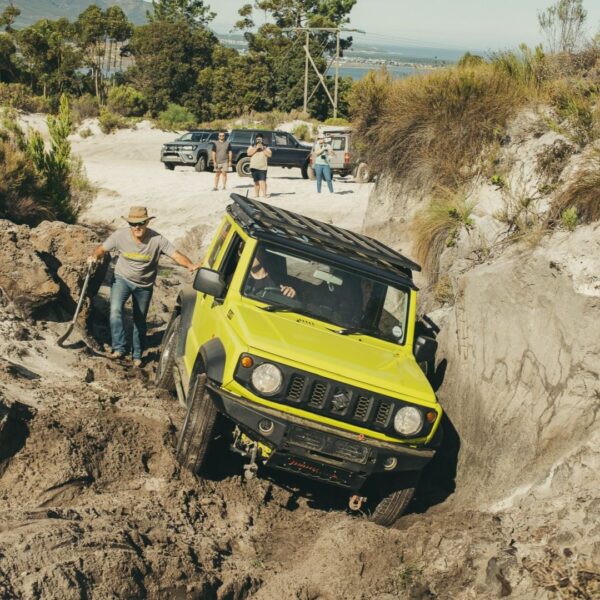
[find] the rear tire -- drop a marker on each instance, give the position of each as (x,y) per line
(243,167)
(304,171)
(311,173)
(200,166)
(198,427)
(169,166)
(393,500)
(362,174)
(165,379)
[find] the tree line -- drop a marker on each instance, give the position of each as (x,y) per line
(175,58)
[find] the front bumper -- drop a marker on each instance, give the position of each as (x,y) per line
(180,157)
(315,450)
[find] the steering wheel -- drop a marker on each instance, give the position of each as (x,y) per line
(272,292)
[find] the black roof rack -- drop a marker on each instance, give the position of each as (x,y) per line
(259,217)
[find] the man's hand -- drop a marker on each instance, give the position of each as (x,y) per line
(91,260)
(288,291)
(194,268)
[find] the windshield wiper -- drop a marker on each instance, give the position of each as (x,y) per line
(355,330)
(285,308)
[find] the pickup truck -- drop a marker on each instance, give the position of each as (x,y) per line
(287,150)
(193,149)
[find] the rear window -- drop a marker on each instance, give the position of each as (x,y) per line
(338,143)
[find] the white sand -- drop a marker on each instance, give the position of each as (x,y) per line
(126,168)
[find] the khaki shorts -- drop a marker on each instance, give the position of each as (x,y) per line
(224,167)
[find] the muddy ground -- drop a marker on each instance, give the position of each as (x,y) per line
(94,505)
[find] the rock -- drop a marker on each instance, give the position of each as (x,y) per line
(24,278)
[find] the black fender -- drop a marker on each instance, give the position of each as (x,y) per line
(186,302)
(213,358)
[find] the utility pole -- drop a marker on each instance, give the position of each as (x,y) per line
(310,61)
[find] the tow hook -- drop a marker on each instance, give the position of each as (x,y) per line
(251,468)
(356,502)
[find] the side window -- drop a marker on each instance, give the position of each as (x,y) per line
(242,137)
(221,237)
(231,260)
(281,139)
(267,138)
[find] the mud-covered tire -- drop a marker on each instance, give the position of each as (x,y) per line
(311,173)
(304,171)
(393,500)
(362,173)
(201,164)
(198,428)
(243,167)
(169,166)
(164,378)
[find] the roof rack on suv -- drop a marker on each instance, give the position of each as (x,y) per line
(259,217)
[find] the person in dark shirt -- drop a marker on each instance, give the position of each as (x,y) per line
(259,279)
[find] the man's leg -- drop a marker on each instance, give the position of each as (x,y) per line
(141,303)
(263,187)
(224,175)
(319,176)
(216,186)
(328,177)
(119,293)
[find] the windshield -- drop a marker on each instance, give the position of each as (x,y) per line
(192,137)
(354,302)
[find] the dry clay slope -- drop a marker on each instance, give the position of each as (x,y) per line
(519,359)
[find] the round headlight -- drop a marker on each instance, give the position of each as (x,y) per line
(408,421)
(267,379)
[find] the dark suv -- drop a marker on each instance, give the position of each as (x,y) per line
(287,150)
(193,148)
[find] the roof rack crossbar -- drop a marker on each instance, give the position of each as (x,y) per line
(367,248)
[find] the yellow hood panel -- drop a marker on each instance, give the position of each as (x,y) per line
(310,345)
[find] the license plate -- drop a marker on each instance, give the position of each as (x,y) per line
(310,468)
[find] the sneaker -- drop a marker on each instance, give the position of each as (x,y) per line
(137,362)
(215,189)
(117,355)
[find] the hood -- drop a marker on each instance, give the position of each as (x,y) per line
(311,345)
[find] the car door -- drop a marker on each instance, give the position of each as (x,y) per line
(297,153)
(281,149)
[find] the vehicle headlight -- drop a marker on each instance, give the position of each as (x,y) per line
(408,420)
(187,147)
(267,379)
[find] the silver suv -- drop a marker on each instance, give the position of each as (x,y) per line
(192,149)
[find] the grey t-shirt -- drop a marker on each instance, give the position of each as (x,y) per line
(222,150)
(138,263)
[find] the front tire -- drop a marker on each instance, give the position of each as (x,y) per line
(169,166)
(243,167)
(362,174)
(198,427)
(200,165)
(392,500)
(165,379)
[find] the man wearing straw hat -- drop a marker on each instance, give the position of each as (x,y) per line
(135,273)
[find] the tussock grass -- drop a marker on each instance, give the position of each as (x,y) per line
(581,193)
(437,226)
(434,127)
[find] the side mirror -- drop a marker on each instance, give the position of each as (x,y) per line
(209,282)
(425,349)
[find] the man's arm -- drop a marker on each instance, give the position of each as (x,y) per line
(213,156)
(268,152)
(184,261)
(97,254)
(230,155)
(251,150)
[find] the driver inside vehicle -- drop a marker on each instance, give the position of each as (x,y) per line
(261,278)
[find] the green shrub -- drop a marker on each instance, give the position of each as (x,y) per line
(176,117)
(302,132)
(498,181)
(85,107)
(569,218)
(86,132)
(126,101)
(110,121)
(337,121)
(437,226)
(19,96)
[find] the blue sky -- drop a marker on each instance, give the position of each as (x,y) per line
(464,24)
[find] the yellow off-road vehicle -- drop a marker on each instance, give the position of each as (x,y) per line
(301,335)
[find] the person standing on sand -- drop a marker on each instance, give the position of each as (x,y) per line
(321,153)
(259,155)
(222,158)
(135,274)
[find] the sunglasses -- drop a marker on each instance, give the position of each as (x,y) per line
(137,223)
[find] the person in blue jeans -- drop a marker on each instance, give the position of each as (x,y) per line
(135,273)
(321,152)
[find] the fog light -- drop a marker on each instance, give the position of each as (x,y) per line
(266,427)
(390,463)
(246,362)
(190,156)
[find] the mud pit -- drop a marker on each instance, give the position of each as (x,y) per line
(94,505)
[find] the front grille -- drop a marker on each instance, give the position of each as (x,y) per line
(295,388)
(362,408)
(384,412)
(318,394)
